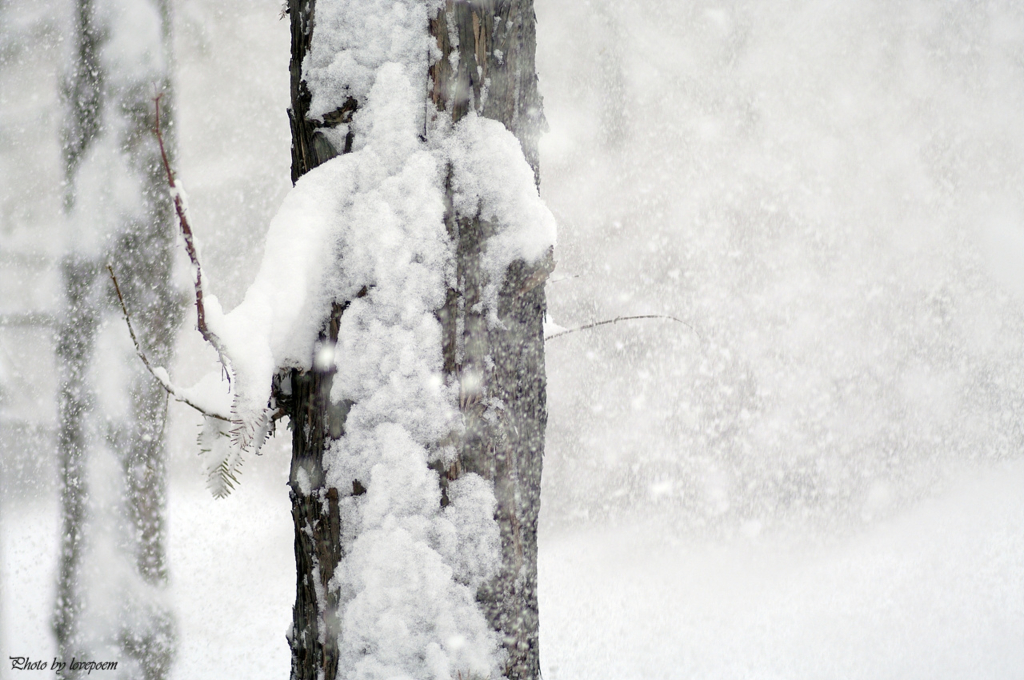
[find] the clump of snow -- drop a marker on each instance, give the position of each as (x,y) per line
(353,39)
(405,614)
(409,604)
(211,394)
(467,536)
(277,323)
(551,328)
(491,179)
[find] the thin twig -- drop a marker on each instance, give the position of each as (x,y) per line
(618,319)
(190,249)
(171,389)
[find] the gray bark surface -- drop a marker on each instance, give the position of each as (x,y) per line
(504,436)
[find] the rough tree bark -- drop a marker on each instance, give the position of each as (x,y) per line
(496,77)
(496,42)
(305,396)
(112,107)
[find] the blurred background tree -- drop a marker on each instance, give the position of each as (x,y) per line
(111,413)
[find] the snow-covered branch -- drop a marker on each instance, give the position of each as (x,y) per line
(180,199)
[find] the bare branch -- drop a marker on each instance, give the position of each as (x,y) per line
(170,388)
(190,249)
(618,319)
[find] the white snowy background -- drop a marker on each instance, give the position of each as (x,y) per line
(821,476)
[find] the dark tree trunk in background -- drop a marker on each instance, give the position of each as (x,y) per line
(507,449)
(76,333)
(116,109)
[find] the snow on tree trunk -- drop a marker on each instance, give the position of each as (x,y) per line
(398,314)
(112,579)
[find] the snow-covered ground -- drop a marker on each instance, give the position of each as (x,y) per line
(935,594)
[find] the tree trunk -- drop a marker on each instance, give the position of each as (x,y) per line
(496,43)
(110,111)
